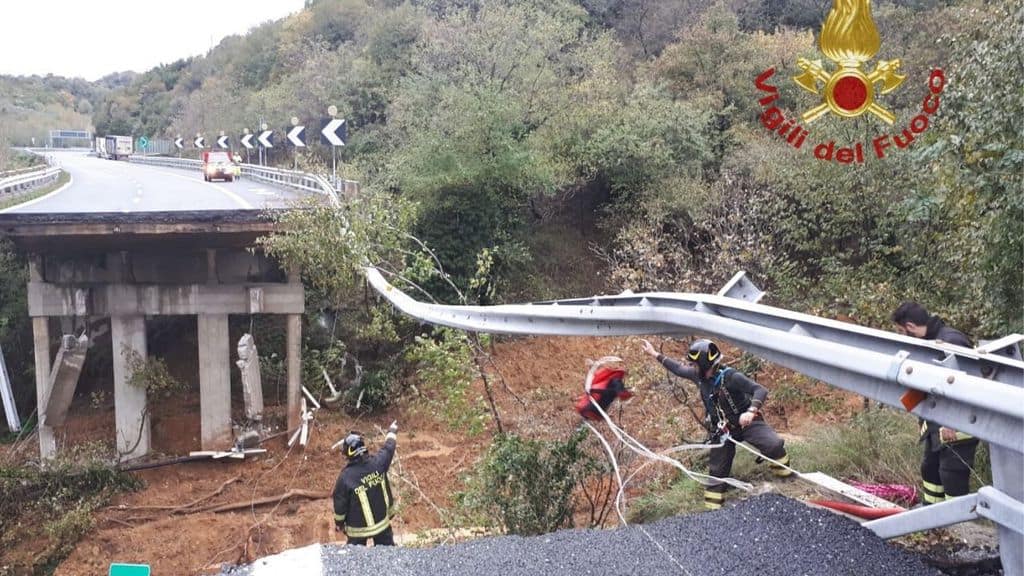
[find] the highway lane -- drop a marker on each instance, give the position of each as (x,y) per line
(99,185)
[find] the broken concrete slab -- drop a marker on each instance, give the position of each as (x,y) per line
(67,367)
(252,384)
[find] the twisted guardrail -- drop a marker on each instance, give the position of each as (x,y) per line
(979,391)
(303,181)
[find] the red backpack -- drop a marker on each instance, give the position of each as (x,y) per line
(608,385)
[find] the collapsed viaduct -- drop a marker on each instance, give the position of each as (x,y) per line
(127,267)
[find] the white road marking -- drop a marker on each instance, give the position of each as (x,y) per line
(71,180)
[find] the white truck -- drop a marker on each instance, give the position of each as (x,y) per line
(118,147)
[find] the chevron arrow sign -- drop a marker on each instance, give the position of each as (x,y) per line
(334,132)
(297,136)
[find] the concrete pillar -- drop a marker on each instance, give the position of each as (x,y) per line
(132,422)
(294,370)
(41,336)
(214,381)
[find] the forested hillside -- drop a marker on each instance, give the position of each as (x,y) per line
(31,106)
(535,149)
(487,117)
(553,148)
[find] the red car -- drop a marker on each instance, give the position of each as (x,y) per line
(218,165)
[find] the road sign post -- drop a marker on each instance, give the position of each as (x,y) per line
(296,137)
(333,132)
(266,140)
(263,128)
(246,140)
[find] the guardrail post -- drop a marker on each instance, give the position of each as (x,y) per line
(1008,477)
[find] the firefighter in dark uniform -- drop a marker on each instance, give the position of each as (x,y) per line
(732,403)
(363,503)
(948,454)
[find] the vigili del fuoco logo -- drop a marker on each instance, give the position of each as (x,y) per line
(847,89)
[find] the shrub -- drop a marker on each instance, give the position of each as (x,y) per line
(56,502)
(527,485)
(152,375)
(374,392)
(446,370)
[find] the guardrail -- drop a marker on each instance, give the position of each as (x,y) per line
(295,180)
(40,176)
(18,171)
(979,391)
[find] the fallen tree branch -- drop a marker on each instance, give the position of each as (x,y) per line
(121,522)
(310,494)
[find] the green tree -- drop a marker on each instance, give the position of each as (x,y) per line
(981,155)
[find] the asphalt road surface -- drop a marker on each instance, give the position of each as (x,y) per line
(769,535)
(99,185)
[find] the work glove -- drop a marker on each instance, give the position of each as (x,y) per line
(393,429)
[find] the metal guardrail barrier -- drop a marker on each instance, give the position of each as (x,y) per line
(979,391)
(302,181)
(18,171)
(40,176)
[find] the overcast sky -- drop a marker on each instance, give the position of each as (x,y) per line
(92,38)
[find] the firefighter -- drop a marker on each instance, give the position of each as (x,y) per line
(732,404)
(363,503)
(948,454)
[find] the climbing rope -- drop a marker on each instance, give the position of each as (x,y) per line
(636,446)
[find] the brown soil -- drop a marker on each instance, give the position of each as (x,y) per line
(535,383)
